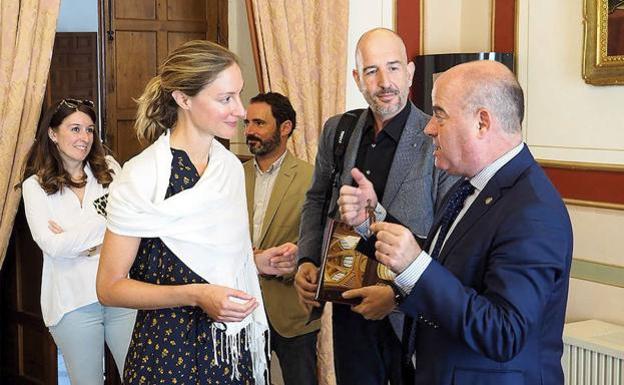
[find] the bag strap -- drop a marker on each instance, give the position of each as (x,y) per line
(345,127)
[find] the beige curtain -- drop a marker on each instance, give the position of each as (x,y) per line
(302,52)
(27,29)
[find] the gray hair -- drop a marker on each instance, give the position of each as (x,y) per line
(499,92)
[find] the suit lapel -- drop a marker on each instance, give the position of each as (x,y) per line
(351,152)
(438,216)
(405,156)
(282,184)
(478,208)
(491,193)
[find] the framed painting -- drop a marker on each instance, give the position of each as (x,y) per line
(603,48)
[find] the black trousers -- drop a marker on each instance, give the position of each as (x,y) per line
(297,357)
(365,352)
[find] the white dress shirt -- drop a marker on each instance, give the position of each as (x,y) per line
(265,180)
(68,277)
(408,278)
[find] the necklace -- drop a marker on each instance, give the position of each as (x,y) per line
(80,179)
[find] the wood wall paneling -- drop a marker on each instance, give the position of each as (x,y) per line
(126,137)
(27,353)
(73,67)
(28,271)
(587,186)
(132,75)
(135,9)
(217,19)
(176,39)
(503,25)
(409,25)
(186,10)
(33,342)
(143,33)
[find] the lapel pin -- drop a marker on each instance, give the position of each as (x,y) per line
(488,200)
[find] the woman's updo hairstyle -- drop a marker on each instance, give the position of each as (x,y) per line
(188,69)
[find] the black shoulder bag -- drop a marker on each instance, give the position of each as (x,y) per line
(345,127)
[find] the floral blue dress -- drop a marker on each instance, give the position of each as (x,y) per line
(177,345)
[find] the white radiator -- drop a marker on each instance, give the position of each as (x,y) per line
(593,353)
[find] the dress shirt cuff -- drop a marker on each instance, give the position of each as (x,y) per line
(305,259)
(408,278)
(363,228)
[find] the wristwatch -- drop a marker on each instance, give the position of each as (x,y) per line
(398,293)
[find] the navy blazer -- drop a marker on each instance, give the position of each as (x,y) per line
(490,310)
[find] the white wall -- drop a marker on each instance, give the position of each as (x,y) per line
(77,16)
(364,15)
(566,118)
(596,235)
(441,25)
(476,19)
(451,26)
(597,238)
(590,300)
(239,41)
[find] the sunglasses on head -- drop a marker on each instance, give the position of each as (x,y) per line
(74,103)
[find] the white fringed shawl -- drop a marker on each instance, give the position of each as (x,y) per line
(205,226)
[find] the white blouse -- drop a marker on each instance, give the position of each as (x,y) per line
(69,269)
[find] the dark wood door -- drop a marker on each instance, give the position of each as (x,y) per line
(28,353)
(73,68)
(139,35)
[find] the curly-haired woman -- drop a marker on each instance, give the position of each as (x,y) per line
(64,186)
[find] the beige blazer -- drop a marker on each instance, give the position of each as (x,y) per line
(281,224)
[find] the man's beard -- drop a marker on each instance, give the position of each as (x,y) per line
(382,109)
(263,147)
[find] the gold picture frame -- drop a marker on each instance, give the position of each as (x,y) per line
(602,65)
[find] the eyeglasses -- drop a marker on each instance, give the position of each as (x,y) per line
(74,103)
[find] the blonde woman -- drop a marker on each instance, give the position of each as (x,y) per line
(177,225)
(66,172)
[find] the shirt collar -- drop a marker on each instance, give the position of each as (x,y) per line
(87,170)
(394,128)
(483,177)
(273,167)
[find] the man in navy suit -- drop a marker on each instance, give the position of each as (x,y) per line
(487,292)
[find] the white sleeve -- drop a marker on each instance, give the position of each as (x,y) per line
(113,165)
(410,276)
(363,229)
(68,244)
